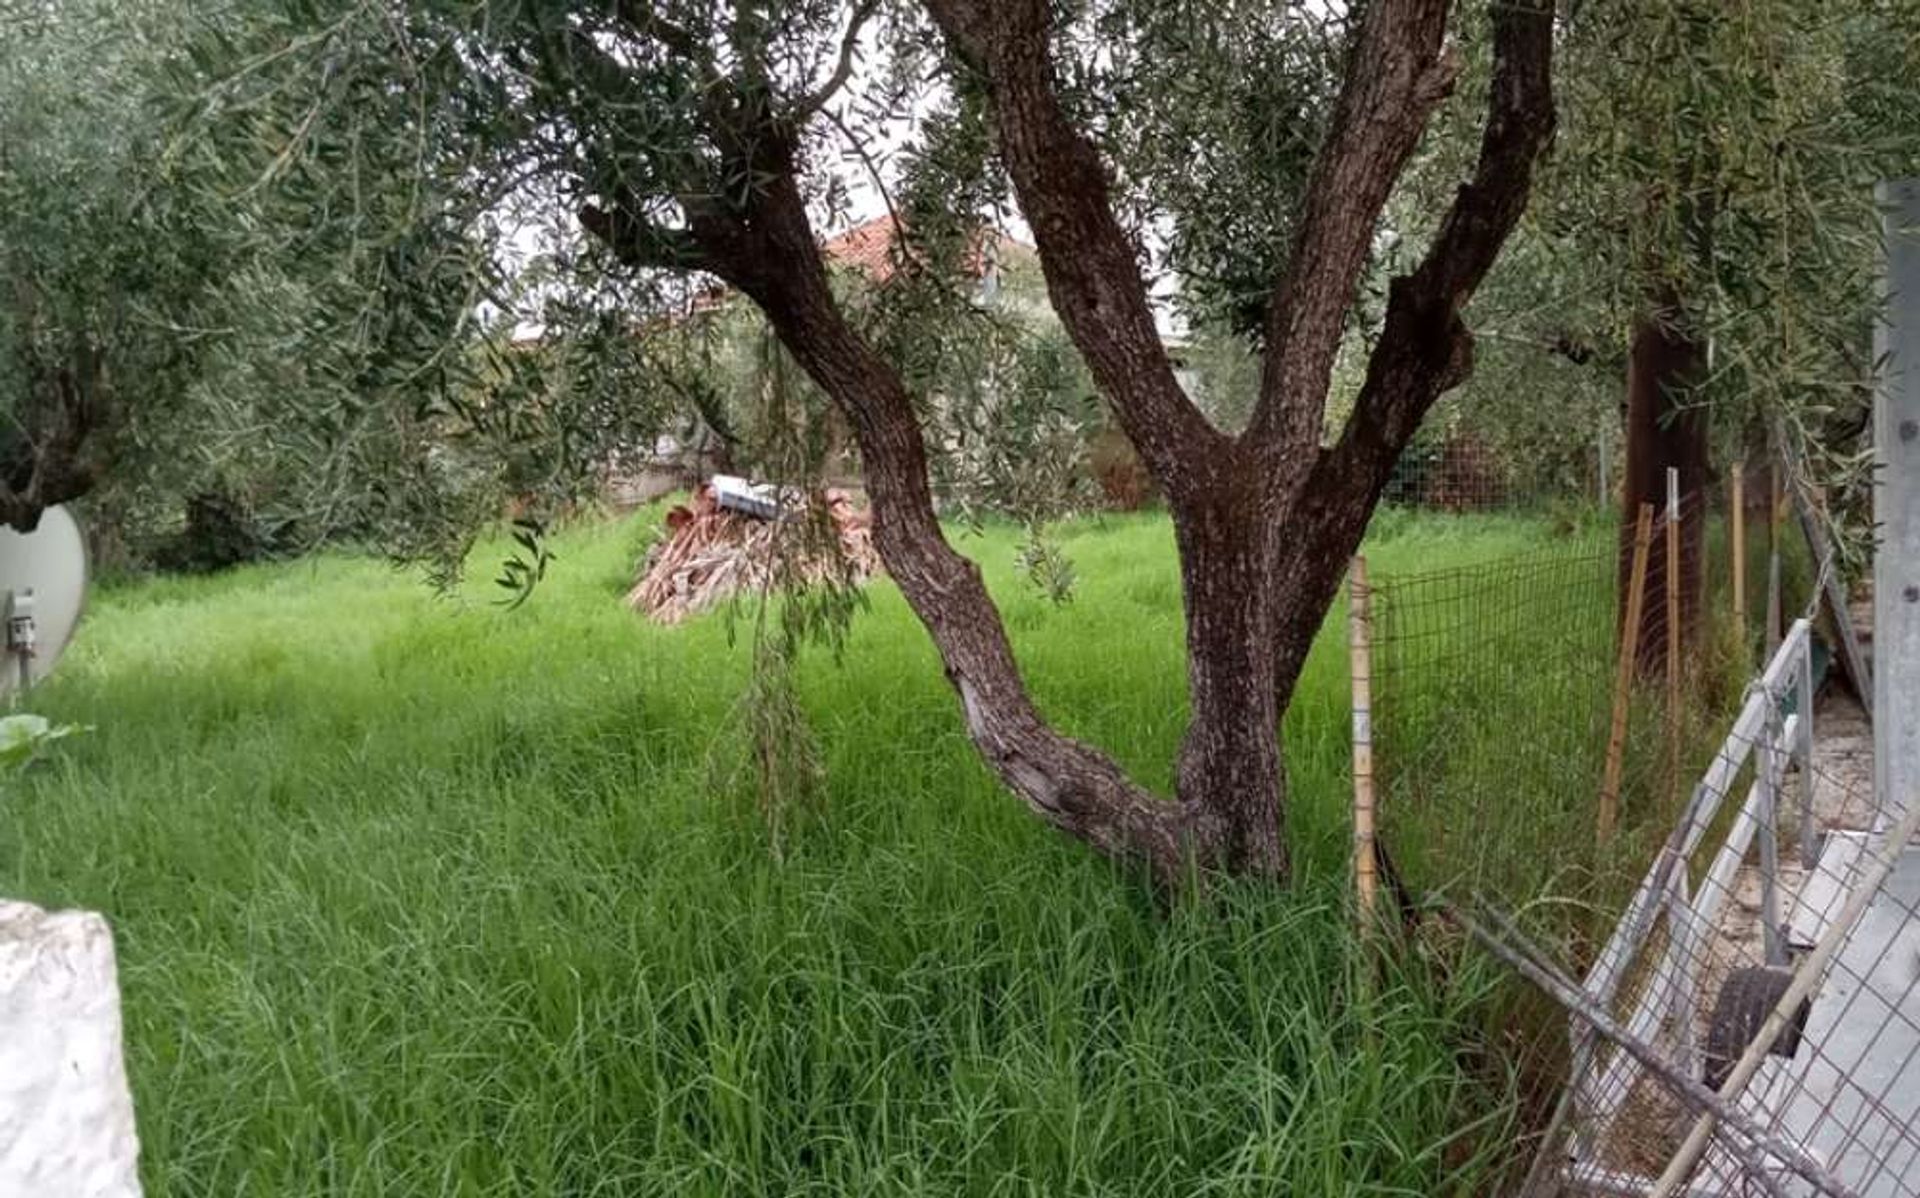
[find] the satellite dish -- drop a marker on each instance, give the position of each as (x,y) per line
(43,585)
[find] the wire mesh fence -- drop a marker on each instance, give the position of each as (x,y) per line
(1740,1017)
(1752,1023)
(1469,460)
(1505,719)
(1531,748)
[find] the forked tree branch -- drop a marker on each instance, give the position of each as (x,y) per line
(1425,347)
(1399,71)
(803,109)
(1091,266)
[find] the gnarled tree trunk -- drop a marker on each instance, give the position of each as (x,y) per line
(1230,772)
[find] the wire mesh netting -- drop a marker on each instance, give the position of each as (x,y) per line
(1531,749)
(1452,469)
(1751,1024)
(1742,1016)
(1494,696)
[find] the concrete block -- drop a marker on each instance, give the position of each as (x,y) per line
(66,1115)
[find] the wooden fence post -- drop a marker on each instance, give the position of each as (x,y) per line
(1359,622)
(1774,629)
(1738,531)
(1673,635)
(1623,672)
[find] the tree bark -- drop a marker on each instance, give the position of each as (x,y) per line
(1074,787)
(1230,771)
(1664,430)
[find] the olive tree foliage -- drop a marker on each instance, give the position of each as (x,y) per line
(1729,153)
(1713,185)
(1207,120)
(93,267)
(202,319)
(423,359)
(119,386)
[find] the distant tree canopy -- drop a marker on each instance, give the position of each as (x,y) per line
(1712,182)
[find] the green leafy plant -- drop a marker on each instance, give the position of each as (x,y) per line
(24,736)
(526,565)
(1046,566)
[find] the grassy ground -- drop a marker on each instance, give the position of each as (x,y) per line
(420,896)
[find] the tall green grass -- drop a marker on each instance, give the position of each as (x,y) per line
(420,896)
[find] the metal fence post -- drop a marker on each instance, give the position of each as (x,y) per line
(1767,776)
(1803,751)
(1774,628)
(1684,928)
(1737,545)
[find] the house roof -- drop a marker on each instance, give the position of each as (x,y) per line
(868,248)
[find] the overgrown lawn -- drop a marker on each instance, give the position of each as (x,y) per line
(419,896)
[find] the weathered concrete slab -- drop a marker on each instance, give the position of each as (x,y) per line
(1853,1090)
(66,1116)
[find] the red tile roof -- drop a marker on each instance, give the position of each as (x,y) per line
(868,248)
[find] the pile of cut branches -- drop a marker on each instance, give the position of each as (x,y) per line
(711,552)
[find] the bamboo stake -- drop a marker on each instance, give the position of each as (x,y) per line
(1739,530)
(1673,635)
(1623,673)
(1774,630)
(1360,619)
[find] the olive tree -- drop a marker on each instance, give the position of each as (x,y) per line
(91,266)
(1705,239)
(691,143)
(162,354)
